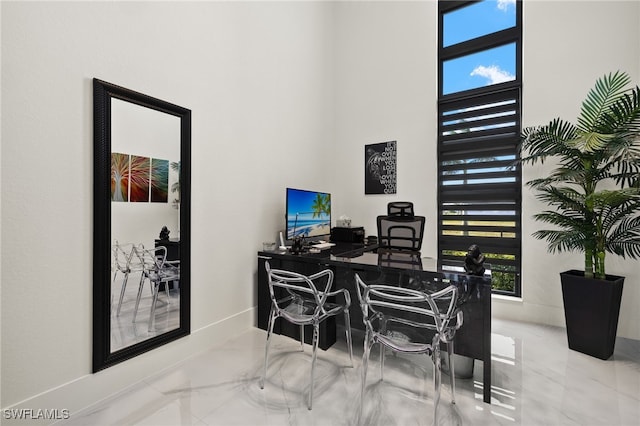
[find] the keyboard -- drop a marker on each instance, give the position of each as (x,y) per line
(322,245)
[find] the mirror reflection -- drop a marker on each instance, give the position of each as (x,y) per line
(145,223)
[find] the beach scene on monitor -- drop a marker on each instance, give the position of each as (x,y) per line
(308,213)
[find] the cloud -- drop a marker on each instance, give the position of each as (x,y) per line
(504,4)
(492,73)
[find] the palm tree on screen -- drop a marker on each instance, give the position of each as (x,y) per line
(322,204)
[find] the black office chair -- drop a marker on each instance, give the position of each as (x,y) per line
(400,233)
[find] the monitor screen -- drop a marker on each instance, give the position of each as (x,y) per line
(308,213)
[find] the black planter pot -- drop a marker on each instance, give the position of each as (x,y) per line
(591,309)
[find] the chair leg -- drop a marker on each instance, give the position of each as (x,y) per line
(302,338)
(113,282)
(122,290)
(135,311)
(437,368)
(347,322)
(452,371)
(381,362)
(365,364)
(266,348)
(316,337)
(152,315)
(383,330)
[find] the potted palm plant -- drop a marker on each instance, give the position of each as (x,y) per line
(594,198)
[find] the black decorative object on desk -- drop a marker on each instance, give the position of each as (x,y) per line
(164,233)
(474,261)
(297,245)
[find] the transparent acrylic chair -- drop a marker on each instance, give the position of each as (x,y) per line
(297,299)
(158,270)
(126,263)
(409,321)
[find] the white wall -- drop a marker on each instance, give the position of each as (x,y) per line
(264,80)
(387,89)
(257,79)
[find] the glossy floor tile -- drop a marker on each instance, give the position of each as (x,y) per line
(537,380)
(124,331)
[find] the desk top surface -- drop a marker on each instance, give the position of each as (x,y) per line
(370,257)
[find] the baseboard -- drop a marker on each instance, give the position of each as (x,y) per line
(517,310)
(82,393)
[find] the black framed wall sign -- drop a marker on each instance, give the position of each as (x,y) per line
(380,168)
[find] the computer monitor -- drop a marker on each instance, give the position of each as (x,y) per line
(308,213)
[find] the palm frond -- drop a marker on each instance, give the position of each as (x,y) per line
(563,198)
(624,240)
(561,240)
(541,142)
(613,198)
(590,141)
(624,114)
(605,93)
(566,221)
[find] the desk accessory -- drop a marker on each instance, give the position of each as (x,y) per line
(164,233)
(474,261)
(347,235)
(297,246)
(268,246)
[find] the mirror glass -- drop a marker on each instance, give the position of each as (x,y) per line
(141,252)
(145,154)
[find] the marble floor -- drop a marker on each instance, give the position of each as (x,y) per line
(537,380)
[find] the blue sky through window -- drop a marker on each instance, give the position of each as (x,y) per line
(485,68)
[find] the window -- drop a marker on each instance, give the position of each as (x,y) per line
(479,187)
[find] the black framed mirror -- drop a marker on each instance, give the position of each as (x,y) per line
(142,200)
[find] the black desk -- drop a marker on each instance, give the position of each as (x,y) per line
(472,340)
(173,247)
(173,253)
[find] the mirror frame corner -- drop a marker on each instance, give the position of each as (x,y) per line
(103,92)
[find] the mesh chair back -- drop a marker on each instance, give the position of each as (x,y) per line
(405,260)
(401,234)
